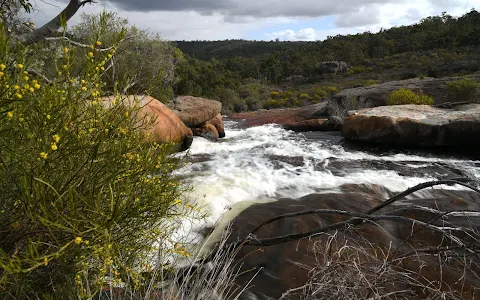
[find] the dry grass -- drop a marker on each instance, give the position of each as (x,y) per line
(193,279)
(352,267)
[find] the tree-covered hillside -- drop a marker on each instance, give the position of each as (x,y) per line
(226,70)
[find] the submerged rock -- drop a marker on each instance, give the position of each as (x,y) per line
(417,125)
(369,256)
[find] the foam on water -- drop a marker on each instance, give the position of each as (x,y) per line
(245,167)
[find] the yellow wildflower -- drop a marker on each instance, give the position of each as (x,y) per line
(103,68)
(84,88)
(99,43)
(37,86)
(10,114)
(3,67)
(54,147)
(56,138)
(66,50)
(92,47)
(19,96)
(78,240)
(20,66)
(1,74)
(17,87)
(90,54)
(31,90)
(97,69)
(26,78)
(49,117)
(43,155)
(83,81)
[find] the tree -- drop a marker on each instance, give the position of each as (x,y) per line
(142,61)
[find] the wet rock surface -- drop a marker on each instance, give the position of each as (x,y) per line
(286,266)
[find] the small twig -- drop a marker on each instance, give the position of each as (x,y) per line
(78,44)
(36,73)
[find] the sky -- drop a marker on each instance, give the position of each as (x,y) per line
(287,20)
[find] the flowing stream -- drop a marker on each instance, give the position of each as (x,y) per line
(265,163)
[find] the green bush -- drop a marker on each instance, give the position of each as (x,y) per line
(321,94)
(304,96)
(331,89)
(464,89)
(85,197)
(274,94)
(406,96)
(369,82)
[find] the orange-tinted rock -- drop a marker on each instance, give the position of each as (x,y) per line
(218,123)
(207,131)
(282,116)
(167,127)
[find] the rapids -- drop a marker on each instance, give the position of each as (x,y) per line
(264,163)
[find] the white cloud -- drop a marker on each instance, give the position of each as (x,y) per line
(306,34)
(236,19)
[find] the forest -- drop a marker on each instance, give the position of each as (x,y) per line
(242,74)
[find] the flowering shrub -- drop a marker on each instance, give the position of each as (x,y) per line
(84,197)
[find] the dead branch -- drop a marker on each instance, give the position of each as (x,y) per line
(98,49)
(376,208)
(51,28)
(38,74)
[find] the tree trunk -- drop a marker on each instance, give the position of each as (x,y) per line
(51,28)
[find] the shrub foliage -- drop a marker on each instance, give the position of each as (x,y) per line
(464,90)
(406,96)
(84,196)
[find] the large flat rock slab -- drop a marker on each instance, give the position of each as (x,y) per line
(415,125)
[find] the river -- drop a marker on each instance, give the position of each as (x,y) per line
(265,163)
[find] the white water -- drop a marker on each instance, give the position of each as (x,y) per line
(240,168)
